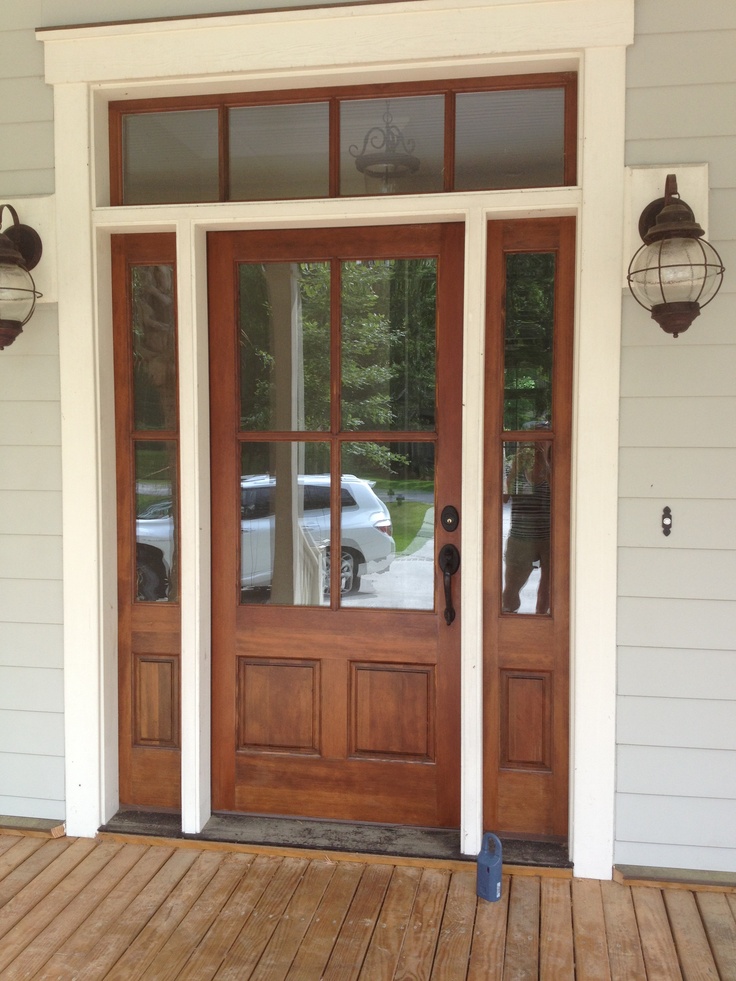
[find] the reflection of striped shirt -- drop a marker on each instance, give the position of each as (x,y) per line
(530,510)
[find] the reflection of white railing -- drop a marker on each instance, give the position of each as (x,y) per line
(309,569)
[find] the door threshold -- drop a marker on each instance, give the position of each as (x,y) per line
(334,836)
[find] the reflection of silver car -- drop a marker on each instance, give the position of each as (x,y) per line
(367,545)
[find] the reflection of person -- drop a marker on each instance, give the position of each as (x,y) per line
(528,488)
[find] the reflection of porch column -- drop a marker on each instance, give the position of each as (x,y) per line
(287,412)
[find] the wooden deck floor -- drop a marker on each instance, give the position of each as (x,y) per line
(83,909)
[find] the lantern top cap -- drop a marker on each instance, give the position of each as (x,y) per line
(668,217)
(20,245)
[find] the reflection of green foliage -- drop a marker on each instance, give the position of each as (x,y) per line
(528,339)
(388,313)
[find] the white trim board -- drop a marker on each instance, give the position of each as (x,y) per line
(432,39)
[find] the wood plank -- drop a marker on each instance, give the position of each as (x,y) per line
(625,956)
(320,938)
(258,929)
(15,851)
(357,929)
(693,949)
(167,915)
(522,931)
(31,827)
(388,937)
(720,926)
(556,957)
(591,952)
(200,917)
(37,858)
(74,915)
(74,953)
(288,935)
(658,947)
(38,888)
(417,954)
(212,951)
(489,937)
(456,934)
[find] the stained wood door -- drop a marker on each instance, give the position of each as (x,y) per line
(335,431)
(527,525)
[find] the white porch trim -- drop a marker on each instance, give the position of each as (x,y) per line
(425,38)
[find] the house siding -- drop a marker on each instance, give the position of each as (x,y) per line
(31,647)
(676,758)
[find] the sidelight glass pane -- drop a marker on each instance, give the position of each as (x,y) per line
(391,530)
(527,482)
(156,520)
(507,139)
(171,157)
(280,152)
(284,334)
(392,146)
(285,523)
(154,348)
(389,314)
(528,340)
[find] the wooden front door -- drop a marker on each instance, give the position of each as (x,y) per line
(336,369)
(527,525)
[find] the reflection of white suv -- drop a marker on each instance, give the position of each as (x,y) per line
(367,545)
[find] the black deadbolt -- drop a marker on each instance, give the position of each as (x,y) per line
(450,518)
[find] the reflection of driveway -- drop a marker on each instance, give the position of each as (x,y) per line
(409,583)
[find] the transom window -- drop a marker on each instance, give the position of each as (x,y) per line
(460,135)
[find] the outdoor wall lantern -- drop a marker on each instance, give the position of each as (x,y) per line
(20,250)
(676,272)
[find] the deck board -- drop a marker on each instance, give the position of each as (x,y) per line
(82,910)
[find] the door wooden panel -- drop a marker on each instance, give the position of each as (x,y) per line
(330,710)
(526,686)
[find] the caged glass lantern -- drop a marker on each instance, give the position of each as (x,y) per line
(20,251)
(676,272)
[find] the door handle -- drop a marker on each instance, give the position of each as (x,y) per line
(449,563)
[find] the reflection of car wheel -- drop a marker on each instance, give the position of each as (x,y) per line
(150,572)
(349,578)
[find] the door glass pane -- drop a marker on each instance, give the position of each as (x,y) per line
(389,315)
(527,481)
(156,520)
(279,152)
(284,333)
(530,310)
(154,348)
(171,157)
(509,139)
(390,530)
(285,523)
(392,146)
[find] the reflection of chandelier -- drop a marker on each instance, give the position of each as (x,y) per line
(386,156)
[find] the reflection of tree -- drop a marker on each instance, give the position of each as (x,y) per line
(388,313)
(528,338)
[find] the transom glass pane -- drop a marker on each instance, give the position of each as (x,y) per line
(285,523)
(284,334)
(392,530)
(170,157)
(392,146)
(154,348)
(530,307)
(527,483)
(389,315)
(156,517)
(508,139)
(279,152)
